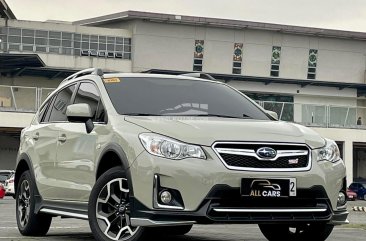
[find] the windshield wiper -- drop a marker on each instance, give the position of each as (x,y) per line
(140,114)
(182,115)
(225,116)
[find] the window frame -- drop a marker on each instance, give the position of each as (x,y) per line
(312,68)
(275,66)
(100,100)
(43,110)
(52,100)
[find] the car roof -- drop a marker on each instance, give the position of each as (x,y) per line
(161,76)
(133,75)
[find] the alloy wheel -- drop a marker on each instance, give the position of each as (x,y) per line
(113,210)
(24,203)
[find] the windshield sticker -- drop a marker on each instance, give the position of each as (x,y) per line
(111,80)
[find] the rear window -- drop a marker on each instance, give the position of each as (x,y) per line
(171,97)
(3,177)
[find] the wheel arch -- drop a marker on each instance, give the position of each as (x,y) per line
(24,163)
(113,155)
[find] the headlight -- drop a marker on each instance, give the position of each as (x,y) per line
(329,152)
(169,148)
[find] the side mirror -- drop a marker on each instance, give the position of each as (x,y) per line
(272,113)
(80,113)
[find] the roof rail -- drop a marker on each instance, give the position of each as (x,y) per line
(94,71)
(199,75)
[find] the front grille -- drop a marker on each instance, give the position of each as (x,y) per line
(243,156)
(222,196)
(253,162)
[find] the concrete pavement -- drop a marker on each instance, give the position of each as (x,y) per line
(73,229)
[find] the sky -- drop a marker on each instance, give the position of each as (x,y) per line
(331,14)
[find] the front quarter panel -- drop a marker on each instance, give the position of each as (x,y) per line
(123,137)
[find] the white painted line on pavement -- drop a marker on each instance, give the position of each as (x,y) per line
(50,228)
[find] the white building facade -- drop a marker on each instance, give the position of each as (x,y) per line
(315,77)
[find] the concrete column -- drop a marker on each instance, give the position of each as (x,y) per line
(348,158)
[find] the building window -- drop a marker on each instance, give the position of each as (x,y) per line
(3,37)
(237,58)
(14,39)
(198,55)
(67,43)
(54,42)
(312,63)
(275,61)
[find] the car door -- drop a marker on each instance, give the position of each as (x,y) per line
(42,136)
(76,148)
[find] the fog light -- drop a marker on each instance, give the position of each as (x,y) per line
(165,197)
(341,199)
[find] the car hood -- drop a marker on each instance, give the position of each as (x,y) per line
(207,130)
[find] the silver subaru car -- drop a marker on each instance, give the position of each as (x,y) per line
(143,154)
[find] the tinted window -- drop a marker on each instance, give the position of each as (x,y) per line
(88,93)
(47,114)
(3,178)
(42,112)
(59,105)
(160,96)
(101,114)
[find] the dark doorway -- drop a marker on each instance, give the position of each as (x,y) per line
(9,145)
(340,145)
(359,161)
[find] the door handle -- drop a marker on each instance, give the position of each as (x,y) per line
(62,138)
(35,136)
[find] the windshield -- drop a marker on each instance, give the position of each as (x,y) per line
(3,177)
(182,97)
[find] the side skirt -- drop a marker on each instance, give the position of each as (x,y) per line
(64,209)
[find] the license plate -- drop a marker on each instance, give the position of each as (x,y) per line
(268,188)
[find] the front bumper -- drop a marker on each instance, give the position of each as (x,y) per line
(211,193)
(225,205)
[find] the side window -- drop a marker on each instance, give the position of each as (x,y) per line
(88,94)
(101,115)
(47,114)
(42,112)
(59,105)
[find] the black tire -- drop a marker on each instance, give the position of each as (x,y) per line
(29,223)
(305,232)
(100,192)
(171,230)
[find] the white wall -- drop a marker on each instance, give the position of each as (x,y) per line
(341,66)
(30,81)
(84,62)
(171,46)
(256,60)
(15,119)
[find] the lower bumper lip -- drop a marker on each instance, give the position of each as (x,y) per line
(265,210)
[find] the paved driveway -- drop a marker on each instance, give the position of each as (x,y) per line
(73,229)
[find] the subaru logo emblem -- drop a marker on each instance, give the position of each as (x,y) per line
(266,152)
